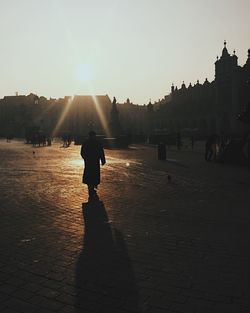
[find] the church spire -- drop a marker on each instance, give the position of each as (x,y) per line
(183,86)
(224,51)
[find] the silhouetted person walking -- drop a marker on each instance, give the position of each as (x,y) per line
(210,153)
(178,141)
(192,142)
(248,154)
(92,152)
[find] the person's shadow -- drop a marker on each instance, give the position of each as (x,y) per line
(105,280)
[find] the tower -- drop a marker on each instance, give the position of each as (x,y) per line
(226,86)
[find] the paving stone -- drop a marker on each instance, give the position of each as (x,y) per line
(20,306)
(148,245)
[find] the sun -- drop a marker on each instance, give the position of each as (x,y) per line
(84,72)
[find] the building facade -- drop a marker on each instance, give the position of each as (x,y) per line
(211,107)
(75,115)
(207,108)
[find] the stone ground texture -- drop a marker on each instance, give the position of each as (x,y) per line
(147,246)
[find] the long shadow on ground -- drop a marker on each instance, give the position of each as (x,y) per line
(104,276)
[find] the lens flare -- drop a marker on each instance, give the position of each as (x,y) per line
(102,117)
(63,116)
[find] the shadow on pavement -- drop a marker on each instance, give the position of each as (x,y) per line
(105,280)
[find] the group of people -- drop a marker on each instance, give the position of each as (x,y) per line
(67,139)
(215,146)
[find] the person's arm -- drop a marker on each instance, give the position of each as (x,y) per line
(102,156)
(82,152)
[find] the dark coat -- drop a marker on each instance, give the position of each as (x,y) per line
(92,152)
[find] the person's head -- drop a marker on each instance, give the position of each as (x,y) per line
(92,134)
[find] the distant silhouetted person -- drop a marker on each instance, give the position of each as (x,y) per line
(92,152)
(248,154)
(210,153)
(162,151)
(178,141)
(49,141)
(9,137)
(192,142)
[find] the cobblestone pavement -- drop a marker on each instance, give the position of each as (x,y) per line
(148,245)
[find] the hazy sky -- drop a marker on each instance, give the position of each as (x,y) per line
(123,48)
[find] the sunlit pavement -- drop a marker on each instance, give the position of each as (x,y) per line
(149,244)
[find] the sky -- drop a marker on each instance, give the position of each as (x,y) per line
(130,49)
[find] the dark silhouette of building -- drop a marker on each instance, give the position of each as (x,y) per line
(208,108)
(75,115)
(132,117)
(211,107)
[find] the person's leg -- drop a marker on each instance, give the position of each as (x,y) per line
(206,154)
(91,190)
(210,154)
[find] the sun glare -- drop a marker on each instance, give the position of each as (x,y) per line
(84,72)
(101,116)
(63,116)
